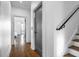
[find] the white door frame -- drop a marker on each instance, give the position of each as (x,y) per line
(12,28)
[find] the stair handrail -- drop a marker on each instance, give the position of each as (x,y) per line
(62,24)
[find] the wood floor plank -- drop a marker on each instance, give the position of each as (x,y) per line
(24,51)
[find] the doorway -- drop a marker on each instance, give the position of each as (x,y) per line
(38,29)
(19,31)
(19,48)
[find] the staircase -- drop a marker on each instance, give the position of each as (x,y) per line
(74,48)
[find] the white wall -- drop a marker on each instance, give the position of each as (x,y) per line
(27,14)
(56,42)
(5,29)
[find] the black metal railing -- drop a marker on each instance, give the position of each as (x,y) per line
(62,25)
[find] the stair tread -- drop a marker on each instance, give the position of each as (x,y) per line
(76,40)
(74,47)
(69,55)
(77,34)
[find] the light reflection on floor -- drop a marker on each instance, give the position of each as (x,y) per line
(19,41)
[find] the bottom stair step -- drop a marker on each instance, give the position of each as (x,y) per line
(74,50)
(69,55)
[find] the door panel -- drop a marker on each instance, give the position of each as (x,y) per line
(38,30)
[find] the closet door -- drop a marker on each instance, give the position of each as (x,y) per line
(38,30)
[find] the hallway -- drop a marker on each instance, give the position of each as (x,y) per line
(21,30)
(23,51)
(39,29)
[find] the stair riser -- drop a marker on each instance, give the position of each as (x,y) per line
(75,43)
(77,37)
(74,52)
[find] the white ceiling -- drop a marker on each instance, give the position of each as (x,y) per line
(23,4)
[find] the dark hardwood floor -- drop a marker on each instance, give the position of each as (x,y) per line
(23,51)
